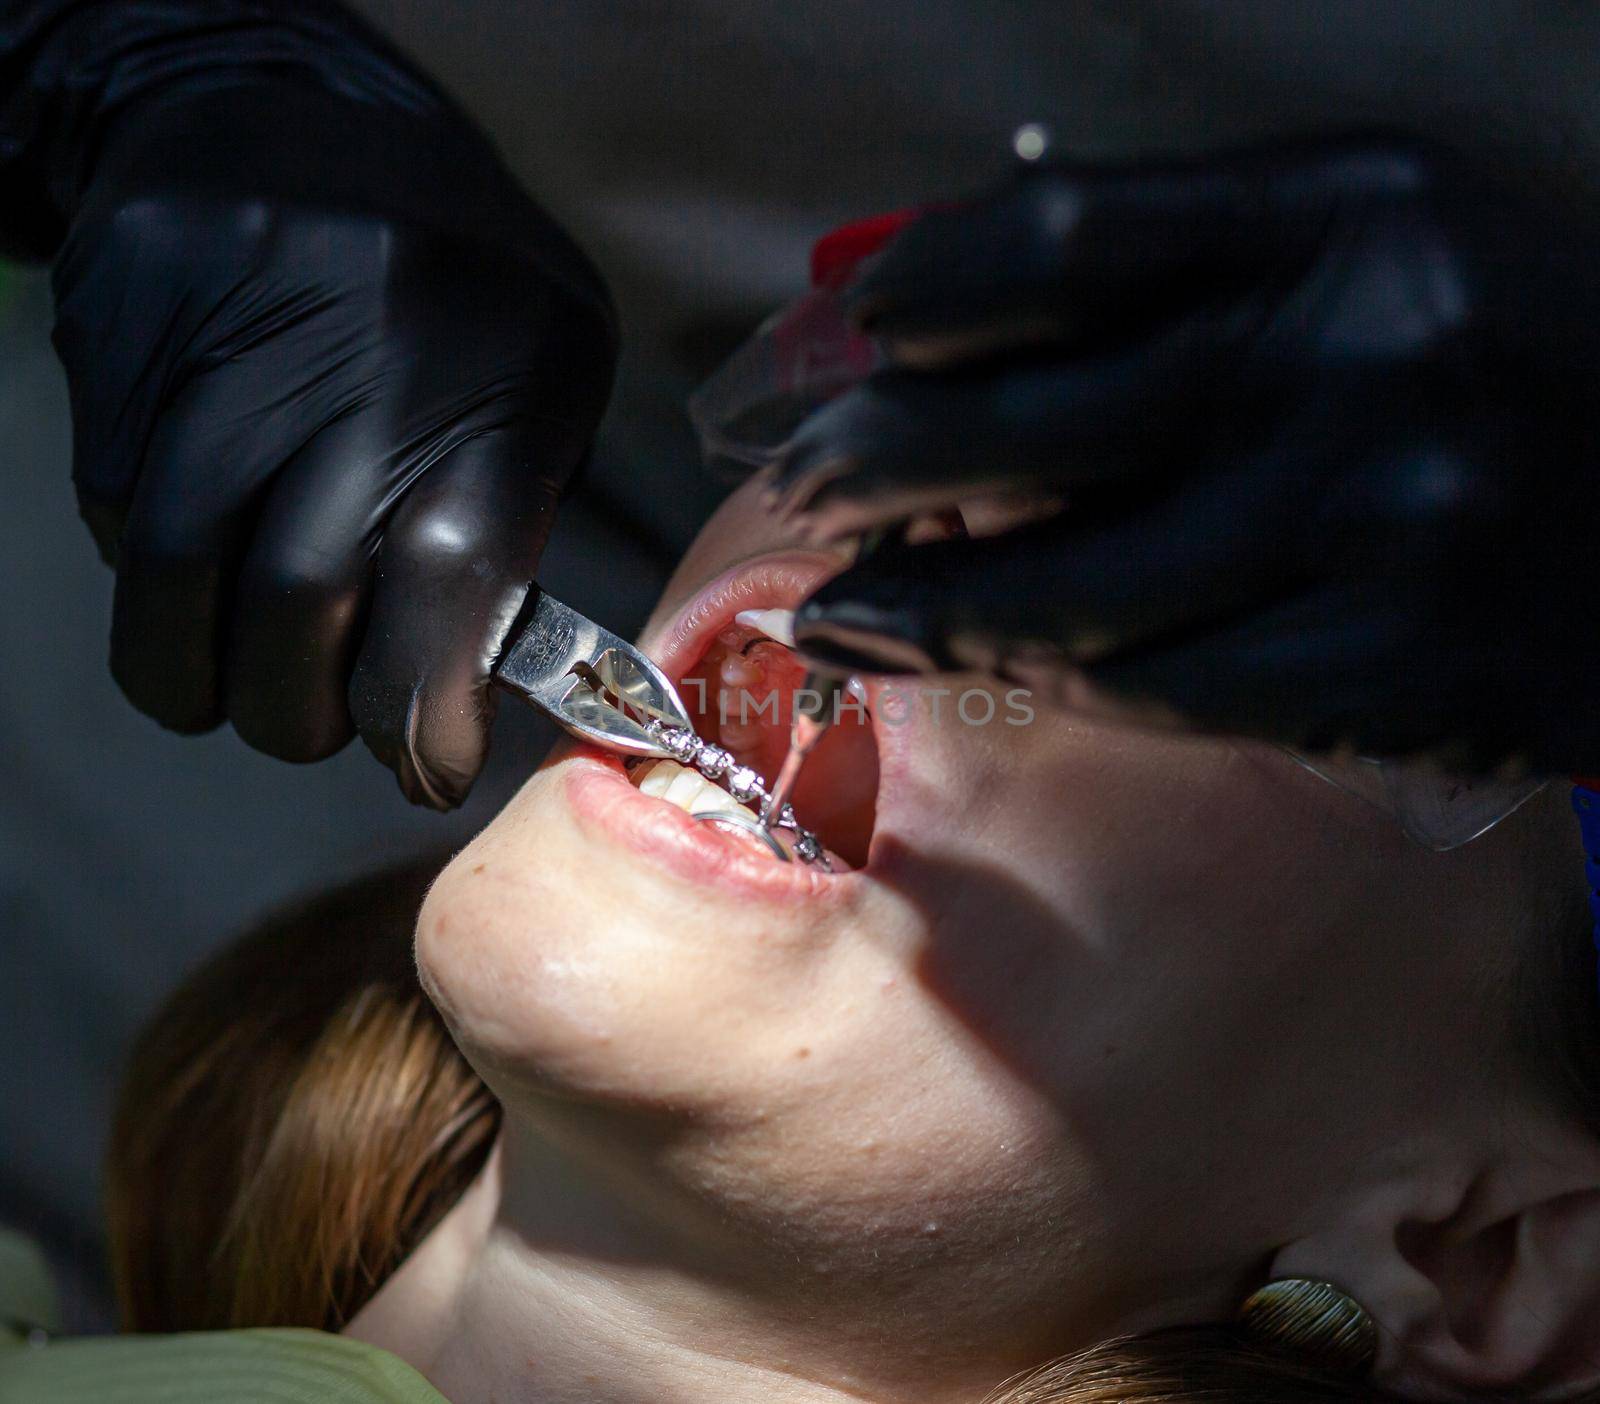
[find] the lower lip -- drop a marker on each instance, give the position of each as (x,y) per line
(611,810)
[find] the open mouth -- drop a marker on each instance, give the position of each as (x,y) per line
(728,655)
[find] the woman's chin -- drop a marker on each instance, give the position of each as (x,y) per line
(596,942)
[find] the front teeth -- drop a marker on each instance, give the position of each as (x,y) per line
(774,623)
(677,784)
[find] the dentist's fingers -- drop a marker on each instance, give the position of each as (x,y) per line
(305,588)
(1076,589)
(210,460)
(458,557)
(1089,257)
(903,443)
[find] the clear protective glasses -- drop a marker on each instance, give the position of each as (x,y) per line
(797,360)
(1437,810)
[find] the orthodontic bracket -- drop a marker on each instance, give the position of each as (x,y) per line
(740,781)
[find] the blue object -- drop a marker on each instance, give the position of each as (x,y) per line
(1586,805)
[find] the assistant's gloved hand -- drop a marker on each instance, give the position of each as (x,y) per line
(330,368)
(1324,422)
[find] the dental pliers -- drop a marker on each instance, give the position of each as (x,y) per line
(602,689)
(591,683)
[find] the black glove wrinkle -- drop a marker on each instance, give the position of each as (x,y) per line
(330,367)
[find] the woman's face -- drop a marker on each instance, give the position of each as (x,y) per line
(1097,1022)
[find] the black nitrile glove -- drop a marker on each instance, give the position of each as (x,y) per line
(330,368)
(1325,425)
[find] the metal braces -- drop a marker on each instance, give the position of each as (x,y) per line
(603,690)
(740,781)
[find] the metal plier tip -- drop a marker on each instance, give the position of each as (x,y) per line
(596,686)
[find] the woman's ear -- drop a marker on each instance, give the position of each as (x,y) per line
(1494,1285)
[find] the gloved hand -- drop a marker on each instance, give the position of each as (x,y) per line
(1324,424)
(329,367)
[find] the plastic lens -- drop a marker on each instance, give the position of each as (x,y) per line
(1438,811)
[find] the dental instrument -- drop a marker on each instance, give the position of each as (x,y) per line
(592,683)
(816,708)
(687,748)
(602,689)
(816,705)
(746,824)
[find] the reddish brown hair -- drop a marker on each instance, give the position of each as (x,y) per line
(293,1122)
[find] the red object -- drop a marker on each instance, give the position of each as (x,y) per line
(835,255)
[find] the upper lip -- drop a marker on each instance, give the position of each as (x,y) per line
(779,581)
